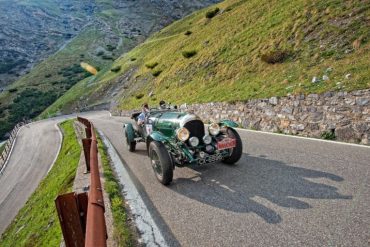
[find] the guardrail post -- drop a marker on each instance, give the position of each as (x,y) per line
(88,132)
(86,142)
(72,213)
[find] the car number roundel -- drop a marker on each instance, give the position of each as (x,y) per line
(149,129)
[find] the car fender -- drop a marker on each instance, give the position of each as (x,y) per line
(157,136)
(228,123)
(129,131)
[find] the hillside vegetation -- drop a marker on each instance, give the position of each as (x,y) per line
(239,50)
(115,27)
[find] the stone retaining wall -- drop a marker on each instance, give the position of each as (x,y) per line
(347,115)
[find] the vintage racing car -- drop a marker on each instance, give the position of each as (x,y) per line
(175,138)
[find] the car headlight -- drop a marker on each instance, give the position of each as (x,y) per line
(207,139)
(183,134)
(214,129)
(194,141)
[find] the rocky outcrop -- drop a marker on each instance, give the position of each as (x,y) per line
(334,115)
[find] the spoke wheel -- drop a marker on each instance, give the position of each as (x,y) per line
(236,152)
(161,162)
(156,164)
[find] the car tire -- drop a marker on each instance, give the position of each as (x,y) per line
(237,151)
(131,145)
(161,162)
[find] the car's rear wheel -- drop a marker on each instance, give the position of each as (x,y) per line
(237,151)
(161,162)
(131,144)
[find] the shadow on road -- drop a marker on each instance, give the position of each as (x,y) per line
(233,188)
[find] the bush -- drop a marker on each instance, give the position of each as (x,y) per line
(275,57)
(139,96)
(48,76)
(189,53)
(116,68)
(100,53)
(111,47)
(212,13)
(328,135)
(12,90)
(151,65)
(133,59)
(156,73)
(187,33)
(107,57)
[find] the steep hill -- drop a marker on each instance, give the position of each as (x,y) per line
(114,27)
(238,50)
(32,30)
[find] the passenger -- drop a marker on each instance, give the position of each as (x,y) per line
(162,105)
(142,116)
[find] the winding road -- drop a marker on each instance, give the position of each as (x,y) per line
(285,191)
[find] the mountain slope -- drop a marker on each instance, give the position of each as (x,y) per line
(32,30)
(249,49)
(114,28)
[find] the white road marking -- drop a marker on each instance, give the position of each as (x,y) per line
(150,233)
(305,138)
(59,148)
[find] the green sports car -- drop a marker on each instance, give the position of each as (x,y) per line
(175,138)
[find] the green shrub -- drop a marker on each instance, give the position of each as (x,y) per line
(139,96)
(228,9)
(111,47)
(328,135)
(116,68)
(133,59)
(189,53)
(275,57)
(156,73)
(12,90)
(107,57)
(47,75)
(100,53)
(151,65)
(212,13)
(187,33)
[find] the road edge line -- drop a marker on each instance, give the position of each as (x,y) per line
(150,234)
(304,137)
(61,138)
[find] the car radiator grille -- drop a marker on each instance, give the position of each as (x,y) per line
(196,128)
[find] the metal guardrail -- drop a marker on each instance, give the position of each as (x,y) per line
(8,145)
(82,217)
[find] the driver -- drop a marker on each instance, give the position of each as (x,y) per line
(142,116)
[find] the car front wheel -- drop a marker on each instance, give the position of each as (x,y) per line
(237,151)
(161,162)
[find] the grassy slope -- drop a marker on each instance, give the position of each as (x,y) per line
(47,76)
(37,222)
(122,234)
(228,66)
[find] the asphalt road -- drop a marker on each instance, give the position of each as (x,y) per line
(283,192)
(34,151)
